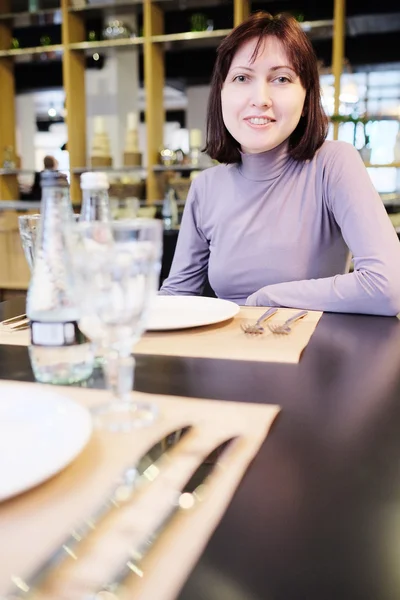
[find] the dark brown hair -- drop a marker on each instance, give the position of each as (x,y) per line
(312,129)
(49,162)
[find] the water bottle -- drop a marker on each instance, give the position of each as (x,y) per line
(59,352)
(95,202)
(95,207)
(169,210)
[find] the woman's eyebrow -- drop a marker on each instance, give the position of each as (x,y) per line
(282,67)
(276,68)
(242,68)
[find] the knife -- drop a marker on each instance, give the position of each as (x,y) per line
(190,494)
(145,469)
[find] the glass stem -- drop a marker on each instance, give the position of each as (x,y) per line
(119,373)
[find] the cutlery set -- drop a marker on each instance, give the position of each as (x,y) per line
(190,494)
(144,471)
(277,328)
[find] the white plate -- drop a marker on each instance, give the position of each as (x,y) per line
(182,312)
(40,433)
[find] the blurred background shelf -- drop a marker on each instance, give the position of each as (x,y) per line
(188,168)
(115,7)
(98,45)
(79,170)
(29,14)
(33,50)
(16,171)
(393,165)
(19,205)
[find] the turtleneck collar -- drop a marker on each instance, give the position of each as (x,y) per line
(265,166)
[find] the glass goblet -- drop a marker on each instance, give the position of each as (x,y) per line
(116,267)
(28,229)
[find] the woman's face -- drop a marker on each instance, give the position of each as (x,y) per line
(262,101)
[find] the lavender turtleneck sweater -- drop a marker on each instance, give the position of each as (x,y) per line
(272,231)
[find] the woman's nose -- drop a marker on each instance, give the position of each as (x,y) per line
(261,96)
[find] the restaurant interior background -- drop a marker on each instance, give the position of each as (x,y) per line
(123,86)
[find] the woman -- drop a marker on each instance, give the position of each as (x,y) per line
(273,225)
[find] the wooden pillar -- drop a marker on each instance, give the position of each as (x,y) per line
(73,30)
(338,45)
(241,11)
(8,183)
(154,79)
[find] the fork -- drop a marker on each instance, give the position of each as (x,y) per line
(285,327)
(13,319)
(257,327)
(16,323)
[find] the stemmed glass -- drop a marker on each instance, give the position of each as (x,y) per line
(28,229)
(116,267)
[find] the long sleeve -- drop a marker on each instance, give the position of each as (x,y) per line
(374,285)
(190,264)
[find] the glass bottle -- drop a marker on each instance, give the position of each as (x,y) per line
(59,352)
(169,209)
(95,207)
(95,201)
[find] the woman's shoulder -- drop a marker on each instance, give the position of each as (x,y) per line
(217,175)
(336,151)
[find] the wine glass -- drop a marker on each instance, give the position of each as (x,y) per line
(116,267)
(28,228)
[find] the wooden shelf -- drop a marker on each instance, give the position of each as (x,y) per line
(33,50)
(79,170)
(393,165)
(392,199)
(12,285)
(19,205)
(174,5)
(97,45)
(36,13)
(162,168)
(16,171)
(189,36)
(368,118)
(318,29)
(309,25)
(114,6)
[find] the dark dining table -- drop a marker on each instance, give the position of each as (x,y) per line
(317,514)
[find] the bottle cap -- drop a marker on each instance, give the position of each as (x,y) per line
(50,178)
(94,181)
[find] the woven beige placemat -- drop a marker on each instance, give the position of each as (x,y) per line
(224,340)
(36,522)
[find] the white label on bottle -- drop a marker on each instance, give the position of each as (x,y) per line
(55,334)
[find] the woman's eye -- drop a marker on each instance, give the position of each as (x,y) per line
(240,78)
(283,79)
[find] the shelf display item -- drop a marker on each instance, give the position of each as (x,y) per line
(100,152)
(117,30)
(132,156)
(167,157)
(396,149)
(195,142)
